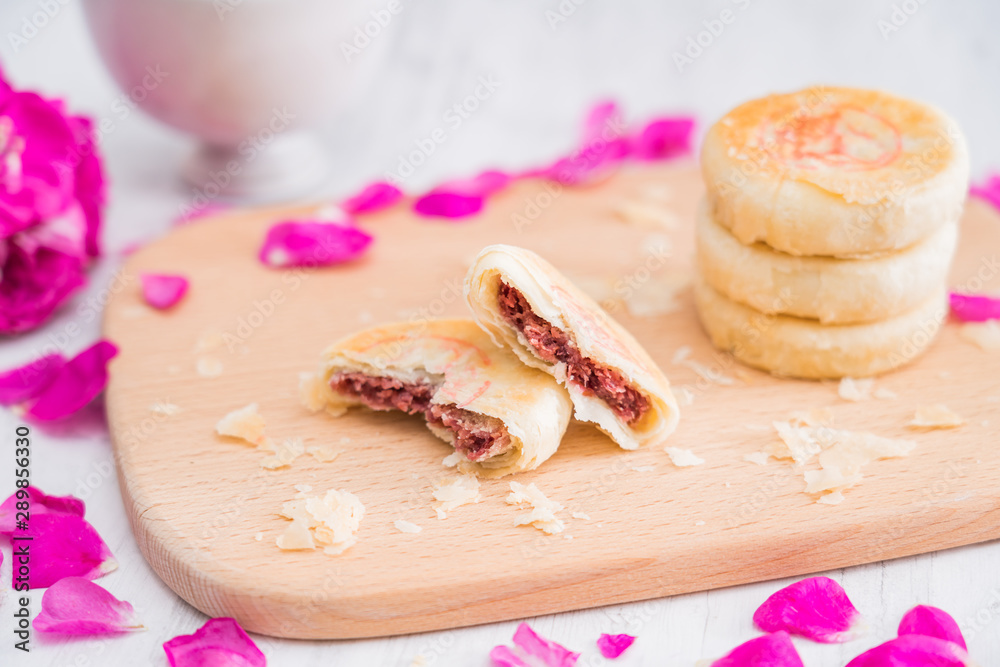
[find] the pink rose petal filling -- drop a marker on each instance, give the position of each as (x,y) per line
(772,650)
(816,608)
(451,205)
(974,308)
(373,197)
(76,606)
(61,545)
(663,139)
(297,244)
(77,384)
(38,503)
(220,642)
(612,646)
(931,622)
(531,648)
(162,290)
(914,651)
(29,381)
(988,190)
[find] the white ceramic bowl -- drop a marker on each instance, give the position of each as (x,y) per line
(247,77)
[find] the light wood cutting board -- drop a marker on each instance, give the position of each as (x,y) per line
(198,504)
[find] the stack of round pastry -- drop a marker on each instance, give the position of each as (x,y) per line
(828,230)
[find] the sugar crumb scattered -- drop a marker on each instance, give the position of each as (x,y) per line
(245,423)
(934,417)
(453,492)
(683,458)
(543,510)
(404,526)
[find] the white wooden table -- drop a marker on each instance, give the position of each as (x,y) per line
(549,72)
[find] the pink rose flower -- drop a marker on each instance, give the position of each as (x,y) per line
(51,200)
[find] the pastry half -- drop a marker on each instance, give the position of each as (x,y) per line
(528,306)
(500,416)
(794,347)
(833,291)
(835,171)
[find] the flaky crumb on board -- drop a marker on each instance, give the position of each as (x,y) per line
(683,458)
(330,521)
(935,416)
(284,453)
(245,423)
(208,367)
(851,389)
(453,492)
(542,514)
(404,526)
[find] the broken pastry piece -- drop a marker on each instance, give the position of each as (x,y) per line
(501,416)
(528,306)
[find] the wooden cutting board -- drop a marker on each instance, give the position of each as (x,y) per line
(205,513)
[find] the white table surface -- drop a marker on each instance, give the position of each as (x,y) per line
(946,53)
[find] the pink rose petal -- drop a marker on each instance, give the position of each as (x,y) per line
(221,642)
(612,646)
(772,650)
(61,545)
(931,622)
(76,606)
(29,381)
(448,205)
(988,190)
(973,308)
(163,291)
(308,244)
(373,197)
(77,384)
(816,608)
(36,281)
(663,139)
(530,648)
(38,503)
(914,651)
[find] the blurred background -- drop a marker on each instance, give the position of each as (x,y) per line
(546,62)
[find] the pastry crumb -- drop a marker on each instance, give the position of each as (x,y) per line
(699,523)
(284,453)
(452,459)
(245,424)
(984,335)
(209,367)
(404,526)
(834,498)
(850,389)
(683,458)
(453,492)
(760,458)
(165,409)
(322,453)
(643,468)
(258,537)
(658,296)
(583,516)
(646,215)
(543,510)
(935,416)
(885,394)
(330,521)
(682,357)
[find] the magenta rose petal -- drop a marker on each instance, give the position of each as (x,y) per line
(221,642)
(974,308)
(62,545)
(297,244)
(374,197)
(448,205)
(29,381)
(914,651)
(612,646)
(816,608)
(988,190)
(772,650)
(77,606)
(162,290)
(36,281)
(549,652)
(663,139)
(78,383)
(38,503)
(503,656)
(931,622)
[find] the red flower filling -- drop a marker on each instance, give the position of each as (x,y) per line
(553,345)
(477,437)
